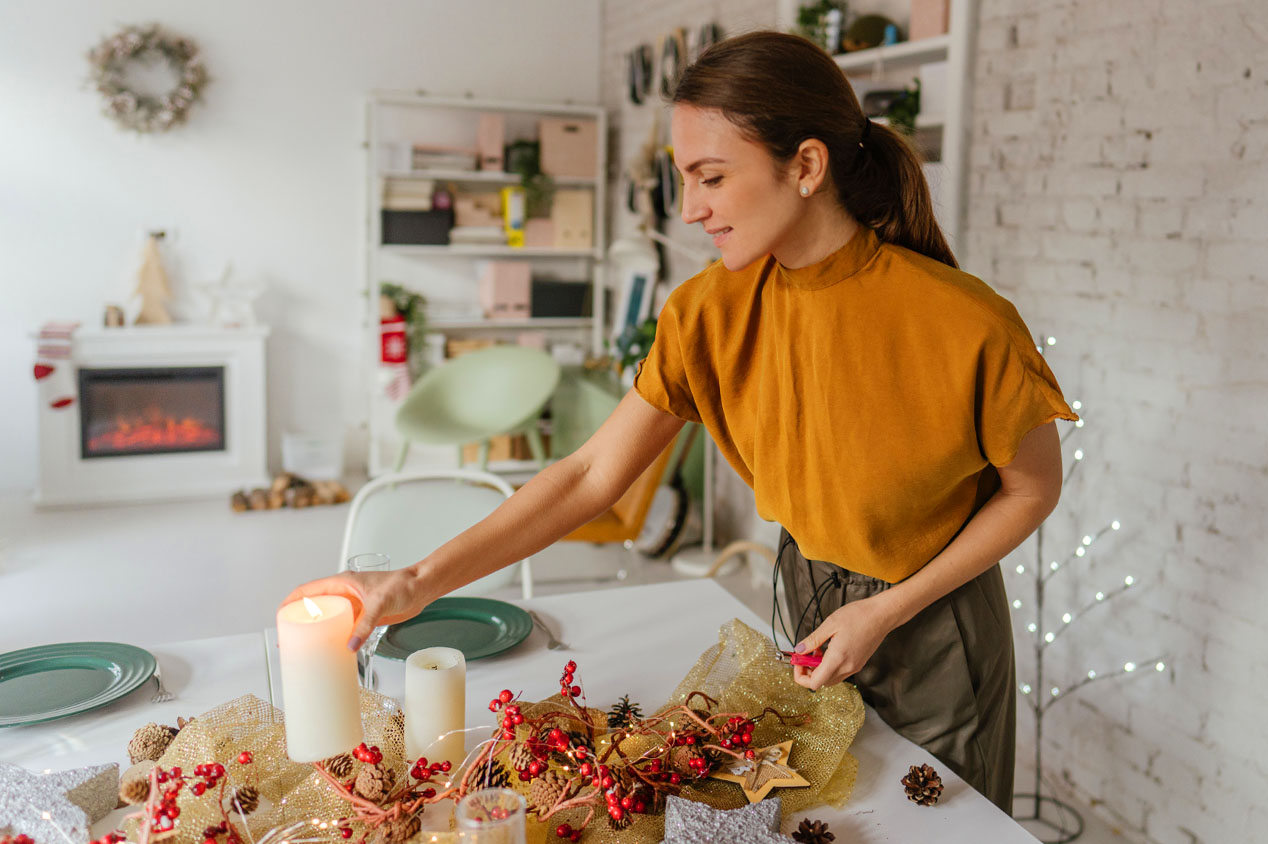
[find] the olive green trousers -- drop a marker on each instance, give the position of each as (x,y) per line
(945,680)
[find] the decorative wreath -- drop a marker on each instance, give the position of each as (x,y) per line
(149,45)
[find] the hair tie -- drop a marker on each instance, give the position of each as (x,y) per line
(867,127)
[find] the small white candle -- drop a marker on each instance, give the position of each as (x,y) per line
(435,704)
(319,678)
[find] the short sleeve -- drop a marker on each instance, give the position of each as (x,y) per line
(662,378)
(1016,393)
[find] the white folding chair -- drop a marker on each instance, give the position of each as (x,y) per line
(410,514)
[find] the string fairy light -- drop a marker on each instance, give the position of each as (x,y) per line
(1032,691)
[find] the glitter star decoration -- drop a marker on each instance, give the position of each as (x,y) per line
(768,769)
(57,806)
(689,822)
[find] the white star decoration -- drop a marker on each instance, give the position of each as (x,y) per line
(689,822)
(58,806)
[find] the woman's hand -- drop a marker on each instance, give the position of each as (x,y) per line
(377,598)
(849,637)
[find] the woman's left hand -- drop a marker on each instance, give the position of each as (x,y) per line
(849,637)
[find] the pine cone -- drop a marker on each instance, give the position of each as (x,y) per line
(623,713)
(813,832)
(134,790)
(339,766)
(374,782)
(520,757)
(182,723)
(398,830)
(627,818)
(547,790)
(923,785)
(150,742)
(679,758)
(246,799)
(492,776)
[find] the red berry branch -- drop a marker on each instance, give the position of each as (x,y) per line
(405,801)
(159,813)
(557,755)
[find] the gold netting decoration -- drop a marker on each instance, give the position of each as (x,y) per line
(290,792)
(744,674)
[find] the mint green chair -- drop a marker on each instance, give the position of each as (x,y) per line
(477,396)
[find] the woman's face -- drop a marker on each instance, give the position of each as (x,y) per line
(733,188)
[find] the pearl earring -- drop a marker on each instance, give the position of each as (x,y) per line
(805,191)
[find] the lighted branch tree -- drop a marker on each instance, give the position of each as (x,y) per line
(1042,695)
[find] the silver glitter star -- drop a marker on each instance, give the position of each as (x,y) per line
(56,807)
(689,822)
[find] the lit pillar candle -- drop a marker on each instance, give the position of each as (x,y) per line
(319,678)
(435,704)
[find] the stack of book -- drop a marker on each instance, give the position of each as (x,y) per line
(427,157)
(408,194)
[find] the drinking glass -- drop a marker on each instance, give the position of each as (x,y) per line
(491,816)
(369,562)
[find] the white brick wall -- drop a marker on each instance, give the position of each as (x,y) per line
(1119,195)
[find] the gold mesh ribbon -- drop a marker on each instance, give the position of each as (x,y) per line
(742,672)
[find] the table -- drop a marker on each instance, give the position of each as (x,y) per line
(642,640)
(637,640)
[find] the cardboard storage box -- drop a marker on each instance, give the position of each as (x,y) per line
(417,228)
(572,214)
(569,147)
(505,289)
(928,18)
(504,447)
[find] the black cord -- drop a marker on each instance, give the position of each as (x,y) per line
(816,596)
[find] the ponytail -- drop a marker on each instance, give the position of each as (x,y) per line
(781,90)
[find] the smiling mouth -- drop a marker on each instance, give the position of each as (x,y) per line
(719,235)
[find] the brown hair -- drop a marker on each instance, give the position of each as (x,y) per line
(781,90)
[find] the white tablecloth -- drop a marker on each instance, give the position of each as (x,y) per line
(642,640)
(202,674)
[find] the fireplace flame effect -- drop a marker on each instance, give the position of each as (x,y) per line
(154,429)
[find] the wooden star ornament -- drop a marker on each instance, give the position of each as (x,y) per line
(767,769)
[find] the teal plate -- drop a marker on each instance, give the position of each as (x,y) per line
(53,681)
(478,627)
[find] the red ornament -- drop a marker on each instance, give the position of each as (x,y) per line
(245,757)
(505,696)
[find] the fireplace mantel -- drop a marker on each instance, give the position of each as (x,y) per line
(66,478)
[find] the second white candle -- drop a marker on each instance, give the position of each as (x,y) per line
(435,705)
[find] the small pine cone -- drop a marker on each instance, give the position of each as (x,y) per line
(182,723)
(398,830)
(149,743)
(134,790)
(813,832)
(923,785)
(679,758)
(492,776)
(339,766)
(547,790)
(521,757)
(246,799)
(627,818)
(374,782)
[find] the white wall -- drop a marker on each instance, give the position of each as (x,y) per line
(1118,194)
(267,173)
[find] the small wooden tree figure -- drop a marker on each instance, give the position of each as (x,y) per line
(152,285)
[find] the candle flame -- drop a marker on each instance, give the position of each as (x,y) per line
(313,609)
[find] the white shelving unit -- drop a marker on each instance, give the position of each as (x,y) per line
(895,65)
(447,275)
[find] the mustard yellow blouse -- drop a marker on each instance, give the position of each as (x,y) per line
(865,399)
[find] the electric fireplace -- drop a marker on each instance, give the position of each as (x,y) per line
(151,411)
(158,413)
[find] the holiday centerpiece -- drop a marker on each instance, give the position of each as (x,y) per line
(587,774)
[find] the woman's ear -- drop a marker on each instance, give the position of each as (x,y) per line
(810,165)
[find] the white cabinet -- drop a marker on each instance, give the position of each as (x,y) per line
(448,273)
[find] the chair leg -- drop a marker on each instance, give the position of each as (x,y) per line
(484,455)
(400,460)
(462,459)
(535,445)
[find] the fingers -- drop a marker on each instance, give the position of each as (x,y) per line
(346,586)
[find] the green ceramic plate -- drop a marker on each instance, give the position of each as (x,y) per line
(478,627)
(53,681)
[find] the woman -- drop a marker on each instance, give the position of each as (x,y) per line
(890,411)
